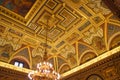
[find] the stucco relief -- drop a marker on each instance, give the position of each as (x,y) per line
(68,52)
(91,33)
(37,52)
(98,6)
(15,42)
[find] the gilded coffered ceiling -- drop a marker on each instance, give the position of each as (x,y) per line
(79,30)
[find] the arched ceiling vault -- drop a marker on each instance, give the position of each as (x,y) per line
(79,31)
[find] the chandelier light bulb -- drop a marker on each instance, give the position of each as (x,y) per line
(44,71)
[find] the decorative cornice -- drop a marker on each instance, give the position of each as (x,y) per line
(99,58)
(9,66)
(93,61)
(12,15)
(21,19)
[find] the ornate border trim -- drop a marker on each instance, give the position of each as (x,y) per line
(93,61)
(9,66)
(23,20)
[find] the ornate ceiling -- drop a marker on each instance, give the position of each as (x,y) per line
(79,30)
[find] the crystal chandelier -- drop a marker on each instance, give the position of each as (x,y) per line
(45,70)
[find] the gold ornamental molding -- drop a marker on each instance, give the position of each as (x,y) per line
(12,67)
(97,59)
(12,15)
(93,61)
(22,19)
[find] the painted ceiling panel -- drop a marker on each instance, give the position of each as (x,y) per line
(20,7)
(78,31)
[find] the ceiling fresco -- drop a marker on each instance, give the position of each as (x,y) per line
(79,30)
(20,7)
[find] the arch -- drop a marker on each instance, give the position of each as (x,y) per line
(18,52)
(63,58)
(87,52)
(95,77)
(65,61)
(21,59)
(91,48)
(52,60)
(14,56)
(50,57)
(112,38)
(62,66)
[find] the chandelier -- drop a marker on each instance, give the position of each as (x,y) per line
(45,70)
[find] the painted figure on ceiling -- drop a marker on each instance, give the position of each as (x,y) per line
(19,6)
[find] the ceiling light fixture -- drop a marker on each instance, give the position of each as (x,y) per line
(45,70)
